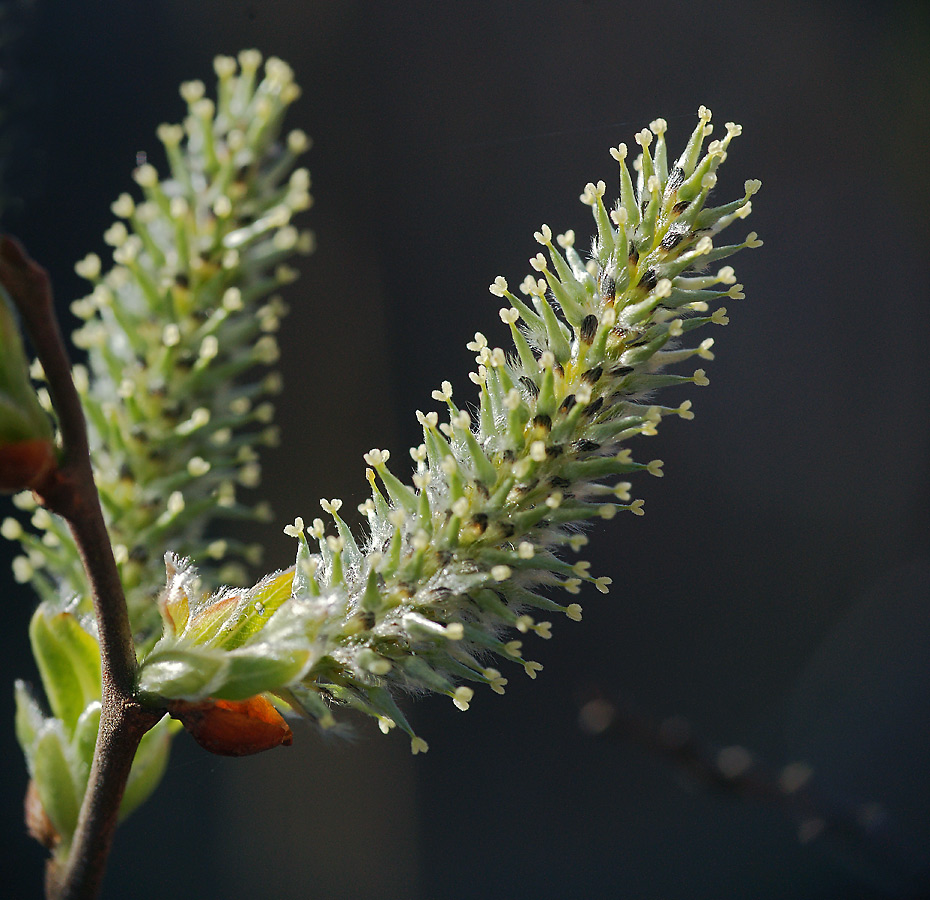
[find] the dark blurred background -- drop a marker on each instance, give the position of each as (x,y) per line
(777,593)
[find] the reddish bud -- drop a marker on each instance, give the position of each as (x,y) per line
(24,464)
(233,727)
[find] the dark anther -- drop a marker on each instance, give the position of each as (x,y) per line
(527,486)
(543,421)
(680,207)
(554,450)
(675,178)
(619,371)
(589,326)
(672,239)
(634,255)
(568,403)
(643,206)
(508,528)
(594,408)
(608,288)
(530,385)
(593,376)
(559,370)
(480,521)
(586,446)
(559,482)
(650,279)
(509,455)
(367,618)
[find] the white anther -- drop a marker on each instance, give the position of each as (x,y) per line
(445,393)
(544,235)
(375,457)
(509,316)
(295,530)
(619,152)
(498,288)
(501,572)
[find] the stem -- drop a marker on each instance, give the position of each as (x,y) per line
(122,725)
(69,491)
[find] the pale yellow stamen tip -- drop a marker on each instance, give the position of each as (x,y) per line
(501,572)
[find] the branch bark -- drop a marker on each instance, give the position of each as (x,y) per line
(69,490)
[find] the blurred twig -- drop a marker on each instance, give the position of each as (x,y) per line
(736,772)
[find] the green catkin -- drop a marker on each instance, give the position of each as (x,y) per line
(175,329)
(453,562)
(173,333)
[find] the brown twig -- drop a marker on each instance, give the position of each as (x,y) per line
(69,490)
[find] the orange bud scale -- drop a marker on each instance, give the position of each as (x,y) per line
(233,727)
(25,464)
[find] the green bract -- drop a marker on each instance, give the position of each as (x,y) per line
(453,564)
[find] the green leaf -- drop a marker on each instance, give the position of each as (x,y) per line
(54,779)
(249,675)
(29,719)
(69,663)
(189,673)
(85,734)
(207,620)
(264,600)
(56,661)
